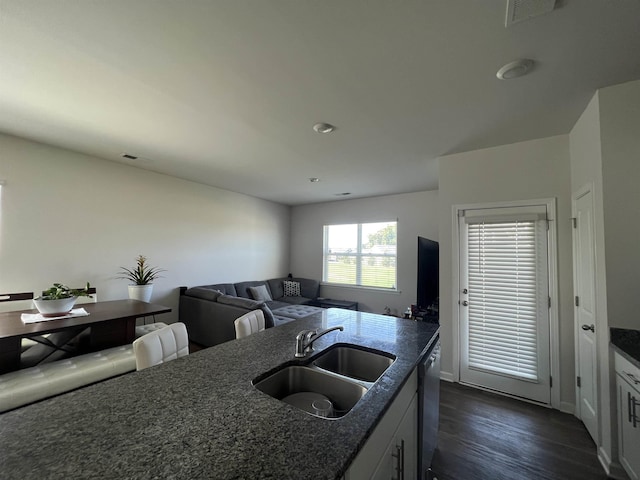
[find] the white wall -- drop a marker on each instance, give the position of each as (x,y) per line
(586,170)
(417,215)
(605,152)
(620,136)
(528,170)
(73,218)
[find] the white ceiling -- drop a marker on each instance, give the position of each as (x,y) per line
(225,92)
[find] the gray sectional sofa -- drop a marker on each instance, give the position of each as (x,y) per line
(209,311)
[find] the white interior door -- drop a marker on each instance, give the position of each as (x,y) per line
(585,319)
(504,301)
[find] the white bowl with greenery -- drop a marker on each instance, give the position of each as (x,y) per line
(59,299)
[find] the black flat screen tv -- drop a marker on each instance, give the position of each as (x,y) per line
(428,274)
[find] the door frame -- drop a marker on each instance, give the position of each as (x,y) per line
(581,192)
(554,328)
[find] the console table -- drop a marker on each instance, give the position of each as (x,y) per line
(330,303)
(111,324)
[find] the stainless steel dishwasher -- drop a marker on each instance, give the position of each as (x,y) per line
(429,409)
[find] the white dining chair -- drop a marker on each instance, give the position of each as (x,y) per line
(161,346)
(249,323)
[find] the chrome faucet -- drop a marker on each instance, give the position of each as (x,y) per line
(305,339)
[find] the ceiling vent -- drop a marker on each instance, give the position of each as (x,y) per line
(521,10)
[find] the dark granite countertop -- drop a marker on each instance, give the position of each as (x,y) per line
(199,416)
(627,342)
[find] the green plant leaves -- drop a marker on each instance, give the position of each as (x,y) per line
(141,273)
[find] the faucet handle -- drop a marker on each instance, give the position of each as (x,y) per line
(308,346)
(303,334)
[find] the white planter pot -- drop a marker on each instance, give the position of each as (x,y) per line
(140,292)
(52,308)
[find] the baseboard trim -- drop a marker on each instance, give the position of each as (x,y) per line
(568,407)
(604,459)
(613,469)
(446,376)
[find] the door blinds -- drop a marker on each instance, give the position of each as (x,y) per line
(504,283)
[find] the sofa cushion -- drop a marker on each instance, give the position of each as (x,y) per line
(275,304)
(250,305)
(269,317)
(240,302)
(296,300)
(204,293)
(308,287)
(291,288)
(242,288)
(296,311)
(226,288)
(260,292)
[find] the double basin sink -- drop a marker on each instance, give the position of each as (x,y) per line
(342,373)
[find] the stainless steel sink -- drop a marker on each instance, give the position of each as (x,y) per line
(355,362)
(343,393)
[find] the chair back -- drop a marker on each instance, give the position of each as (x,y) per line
(249,323)
(92,299)
(161,346)
(16,301)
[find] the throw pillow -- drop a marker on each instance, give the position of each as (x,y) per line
(291,289)
(260,293)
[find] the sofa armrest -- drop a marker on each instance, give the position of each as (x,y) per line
(208,323)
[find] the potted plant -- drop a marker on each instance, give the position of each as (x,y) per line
(59,299)
(141,277)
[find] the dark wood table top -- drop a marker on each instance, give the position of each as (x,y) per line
(11,324)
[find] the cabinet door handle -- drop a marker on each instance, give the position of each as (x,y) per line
(402,459)
(632,377)
(635,416)
(629,406)
(397,456)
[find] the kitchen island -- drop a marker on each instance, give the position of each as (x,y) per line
(200,416)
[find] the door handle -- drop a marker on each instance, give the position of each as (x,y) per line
(591,327)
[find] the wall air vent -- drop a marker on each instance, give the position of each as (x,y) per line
(521,10)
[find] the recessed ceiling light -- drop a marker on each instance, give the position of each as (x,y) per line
(515,69)
(324,128)
(314,180)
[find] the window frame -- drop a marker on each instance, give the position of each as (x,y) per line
(358,256)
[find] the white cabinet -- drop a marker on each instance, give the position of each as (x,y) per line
(628,385)
(391,452)
(400,460)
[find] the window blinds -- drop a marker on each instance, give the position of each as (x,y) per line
(504,294)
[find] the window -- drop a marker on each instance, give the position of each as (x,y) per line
(361,254)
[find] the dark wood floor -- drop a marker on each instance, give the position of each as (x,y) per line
(487,436)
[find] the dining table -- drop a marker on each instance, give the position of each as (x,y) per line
(109,323)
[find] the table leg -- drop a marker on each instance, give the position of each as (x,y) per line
(113,333)
(10,349)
